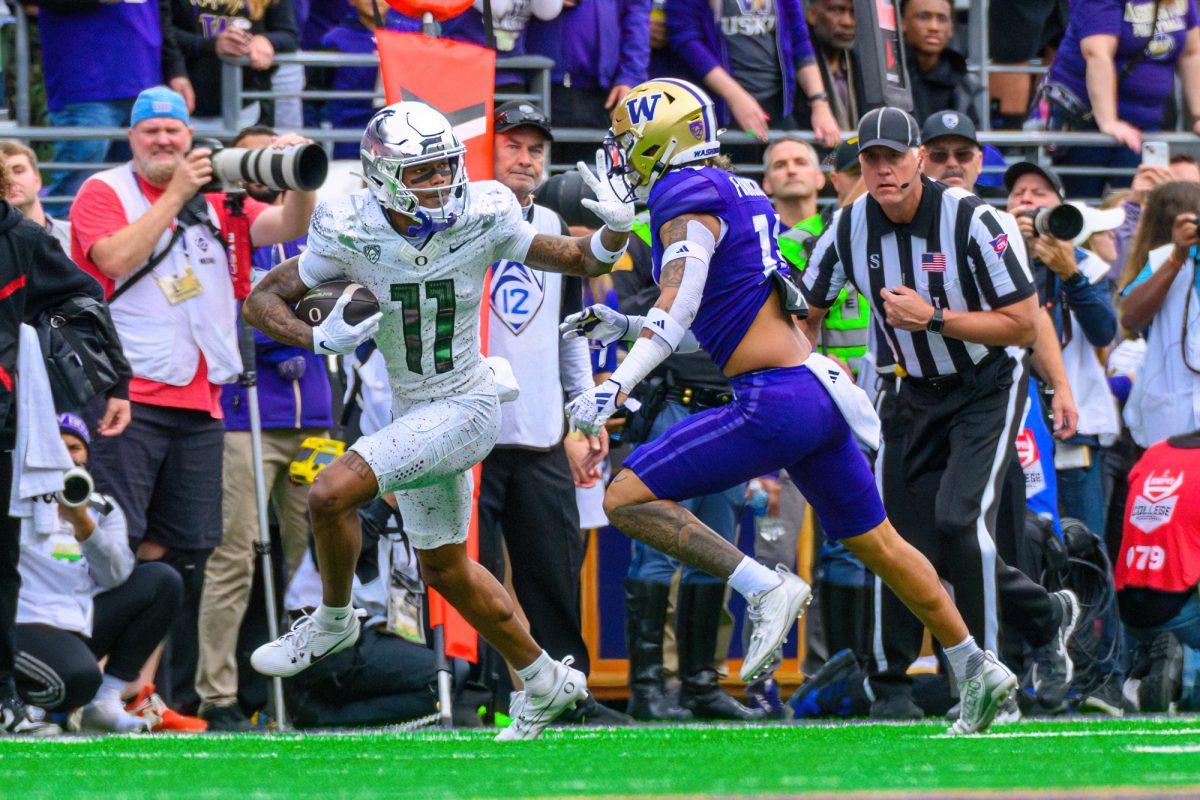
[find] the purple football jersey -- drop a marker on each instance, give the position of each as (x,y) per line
(739,273)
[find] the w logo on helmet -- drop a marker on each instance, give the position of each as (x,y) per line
(641,109)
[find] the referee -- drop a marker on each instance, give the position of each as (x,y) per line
(951,291)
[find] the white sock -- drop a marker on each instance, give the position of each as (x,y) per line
(751,578)
(964,657)
(112,685)
(334,618)
(538,677)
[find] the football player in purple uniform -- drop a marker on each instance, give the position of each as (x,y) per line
(724,288)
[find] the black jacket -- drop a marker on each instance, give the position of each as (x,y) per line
(278,24)
(35,275)
(946,87)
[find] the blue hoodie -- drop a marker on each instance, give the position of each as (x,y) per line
(303,403)
(696,39)
(591,51)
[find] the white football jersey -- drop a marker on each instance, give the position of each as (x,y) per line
(429,292)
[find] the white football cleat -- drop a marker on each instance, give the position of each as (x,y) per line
(301,647)
(535,711)
(984,694)
(106,712)
(773,614)
(507,388)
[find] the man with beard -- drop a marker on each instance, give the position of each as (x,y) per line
(832,25)
(178,324)
(295,403)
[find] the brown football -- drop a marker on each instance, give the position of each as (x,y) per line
(320,300)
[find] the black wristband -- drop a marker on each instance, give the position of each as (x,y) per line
(812,98)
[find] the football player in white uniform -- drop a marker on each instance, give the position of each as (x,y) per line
(421,238)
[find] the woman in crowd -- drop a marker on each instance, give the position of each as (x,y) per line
(1160,298)
(1115,73)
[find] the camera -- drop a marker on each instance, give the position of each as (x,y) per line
(299,167)
(1064,222)
(77,488)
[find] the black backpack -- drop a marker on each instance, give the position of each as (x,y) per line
(76,339)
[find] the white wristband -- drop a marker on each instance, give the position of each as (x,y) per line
(662,325)
(603,254)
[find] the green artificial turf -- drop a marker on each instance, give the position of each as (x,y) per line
(1102,755)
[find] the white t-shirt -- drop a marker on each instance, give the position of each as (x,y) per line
(429,291)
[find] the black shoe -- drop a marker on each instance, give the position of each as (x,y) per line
(590,713)
(645,616)
(226,719)
(896,707)
(696,623)
(1053,669)
(1107,699)
(1160,688)
(827,692)
(16,719)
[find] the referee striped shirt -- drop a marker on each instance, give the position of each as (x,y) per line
(955,253)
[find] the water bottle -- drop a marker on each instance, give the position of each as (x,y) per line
(767,527)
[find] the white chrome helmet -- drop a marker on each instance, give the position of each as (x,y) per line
(405,135)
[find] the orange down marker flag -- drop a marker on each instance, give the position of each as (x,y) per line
(417,67)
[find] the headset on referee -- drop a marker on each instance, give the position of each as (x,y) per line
(957,306)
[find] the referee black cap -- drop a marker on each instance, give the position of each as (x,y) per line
(948,123)
(888,127)
(1014,173)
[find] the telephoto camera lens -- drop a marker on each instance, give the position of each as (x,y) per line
(77,488)
(300,167)
(1064,222)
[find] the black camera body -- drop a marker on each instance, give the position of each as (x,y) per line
(299,167)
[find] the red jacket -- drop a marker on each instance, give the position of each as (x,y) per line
(1160,545)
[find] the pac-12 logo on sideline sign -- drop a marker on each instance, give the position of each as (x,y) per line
(517,294)
(641,109)
(1000,244)
(1155,504)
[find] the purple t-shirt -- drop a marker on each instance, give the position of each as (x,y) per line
(1143,89)
(739,273)
(107,53)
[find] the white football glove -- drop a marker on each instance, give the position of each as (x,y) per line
(599,323)
(336,337)
(617,216)
(591,409)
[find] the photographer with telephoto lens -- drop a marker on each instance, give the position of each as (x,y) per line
(1073,286)
(83,599)
(155,241)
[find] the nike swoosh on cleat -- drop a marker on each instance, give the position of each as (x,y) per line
(317,658)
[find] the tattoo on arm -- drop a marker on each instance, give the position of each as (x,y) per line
(563,254)
(269,306)
(357,464)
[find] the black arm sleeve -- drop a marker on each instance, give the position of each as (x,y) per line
(52,277)
(173,63)
(67,5)
(280,28)
(187,31)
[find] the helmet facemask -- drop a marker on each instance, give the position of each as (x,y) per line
(628,183)
(386,178)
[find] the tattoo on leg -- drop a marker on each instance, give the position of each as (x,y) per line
(356,464)
(669,528)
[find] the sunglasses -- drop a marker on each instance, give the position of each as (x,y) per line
(530,117)
(962,155)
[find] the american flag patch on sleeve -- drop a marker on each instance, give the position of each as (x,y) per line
(933,262)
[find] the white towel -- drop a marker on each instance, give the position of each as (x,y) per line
(40,458)
(852,401)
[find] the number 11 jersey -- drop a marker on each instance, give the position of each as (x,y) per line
(429,290)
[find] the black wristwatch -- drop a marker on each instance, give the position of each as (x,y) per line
(1077,280)
(937,322)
